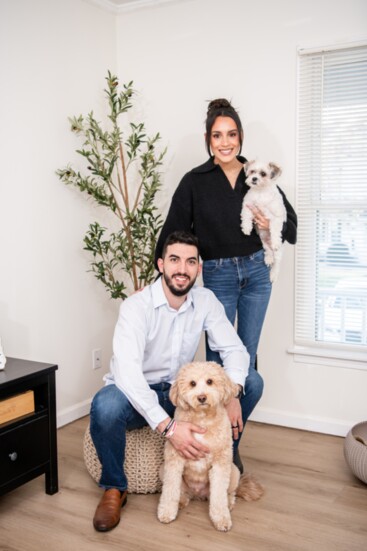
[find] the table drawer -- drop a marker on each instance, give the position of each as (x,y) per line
(23,448)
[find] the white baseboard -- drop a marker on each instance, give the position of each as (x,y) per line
(260,415)
(68,415)
(313,424)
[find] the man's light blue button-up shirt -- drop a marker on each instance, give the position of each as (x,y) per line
(152,341)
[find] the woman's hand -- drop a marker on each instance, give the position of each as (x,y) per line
(262,223)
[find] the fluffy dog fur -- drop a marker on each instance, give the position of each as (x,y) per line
(265,195)
(201,392)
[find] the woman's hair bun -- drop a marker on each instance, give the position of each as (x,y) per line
(220,103)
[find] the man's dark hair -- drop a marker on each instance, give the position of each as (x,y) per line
(180,237)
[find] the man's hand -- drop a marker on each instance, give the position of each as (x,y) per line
(184,441)
(235,416)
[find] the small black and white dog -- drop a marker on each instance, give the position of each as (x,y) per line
(265,195)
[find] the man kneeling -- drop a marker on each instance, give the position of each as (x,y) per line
(158,330)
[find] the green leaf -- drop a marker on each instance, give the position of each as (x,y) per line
(122,259)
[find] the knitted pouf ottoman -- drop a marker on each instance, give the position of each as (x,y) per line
(355,450)
(143,458)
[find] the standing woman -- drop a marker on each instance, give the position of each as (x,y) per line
(208,203)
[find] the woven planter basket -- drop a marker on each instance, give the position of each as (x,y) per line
(143,458)
(355,451)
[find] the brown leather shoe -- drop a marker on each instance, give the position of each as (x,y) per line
(107,514)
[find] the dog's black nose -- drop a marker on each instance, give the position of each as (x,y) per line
(202,398)
(254,179)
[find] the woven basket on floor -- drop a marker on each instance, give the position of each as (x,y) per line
(143,458)
(355,450)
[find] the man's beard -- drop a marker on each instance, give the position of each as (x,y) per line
(178,292)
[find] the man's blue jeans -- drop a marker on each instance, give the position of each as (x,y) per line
(243,286)
(111,415)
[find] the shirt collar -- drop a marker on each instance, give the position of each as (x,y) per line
(159,298)
(210,165)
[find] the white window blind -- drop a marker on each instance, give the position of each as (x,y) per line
(331,252)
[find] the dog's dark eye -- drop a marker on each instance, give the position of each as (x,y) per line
(192,383)
(263,174)
(209,382)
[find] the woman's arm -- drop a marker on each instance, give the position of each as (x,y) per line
(179,216)
(289,231)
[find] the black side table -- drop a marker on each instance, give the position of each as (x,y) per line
(28,445)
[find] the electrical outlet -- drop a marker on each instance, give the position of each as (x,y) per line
(97,358)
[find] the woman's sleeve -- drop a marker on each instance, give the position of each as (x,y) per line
(179,216)
(289,231)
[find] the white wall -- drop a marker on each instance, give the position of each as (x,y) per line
(54,58)
(183,54)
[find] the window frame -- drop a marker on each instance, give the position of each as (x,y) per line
(321,352)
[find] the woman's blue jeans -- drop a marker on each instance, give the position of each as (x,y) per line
(243,286)
(111,416)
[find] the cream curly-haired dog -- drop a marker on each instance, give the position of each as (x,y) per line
(201,392)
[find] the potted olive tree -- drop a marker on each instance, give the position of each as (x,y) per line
(122,175)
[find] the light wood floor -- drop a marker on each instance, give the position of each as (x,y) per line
(312,503)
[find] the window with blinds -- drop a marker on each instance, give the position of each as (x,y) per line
(331,253)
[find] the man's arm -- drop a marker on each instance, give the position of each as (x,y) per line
(129,343)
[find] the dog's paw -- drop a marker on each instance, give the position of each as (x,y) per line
(166,517)
(166,514)
(276,244)
(184,501)
(268,258)
(246,227)
(223,524)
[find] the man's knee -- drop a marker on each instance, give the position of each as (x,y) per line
(108,406)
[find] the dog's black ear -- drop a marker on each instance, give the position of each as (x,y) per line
(275,170)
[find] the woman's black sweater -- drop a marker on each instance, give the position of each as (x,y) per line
(206,205)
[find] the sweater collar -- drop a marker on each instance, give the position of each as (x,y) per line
(210,165)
